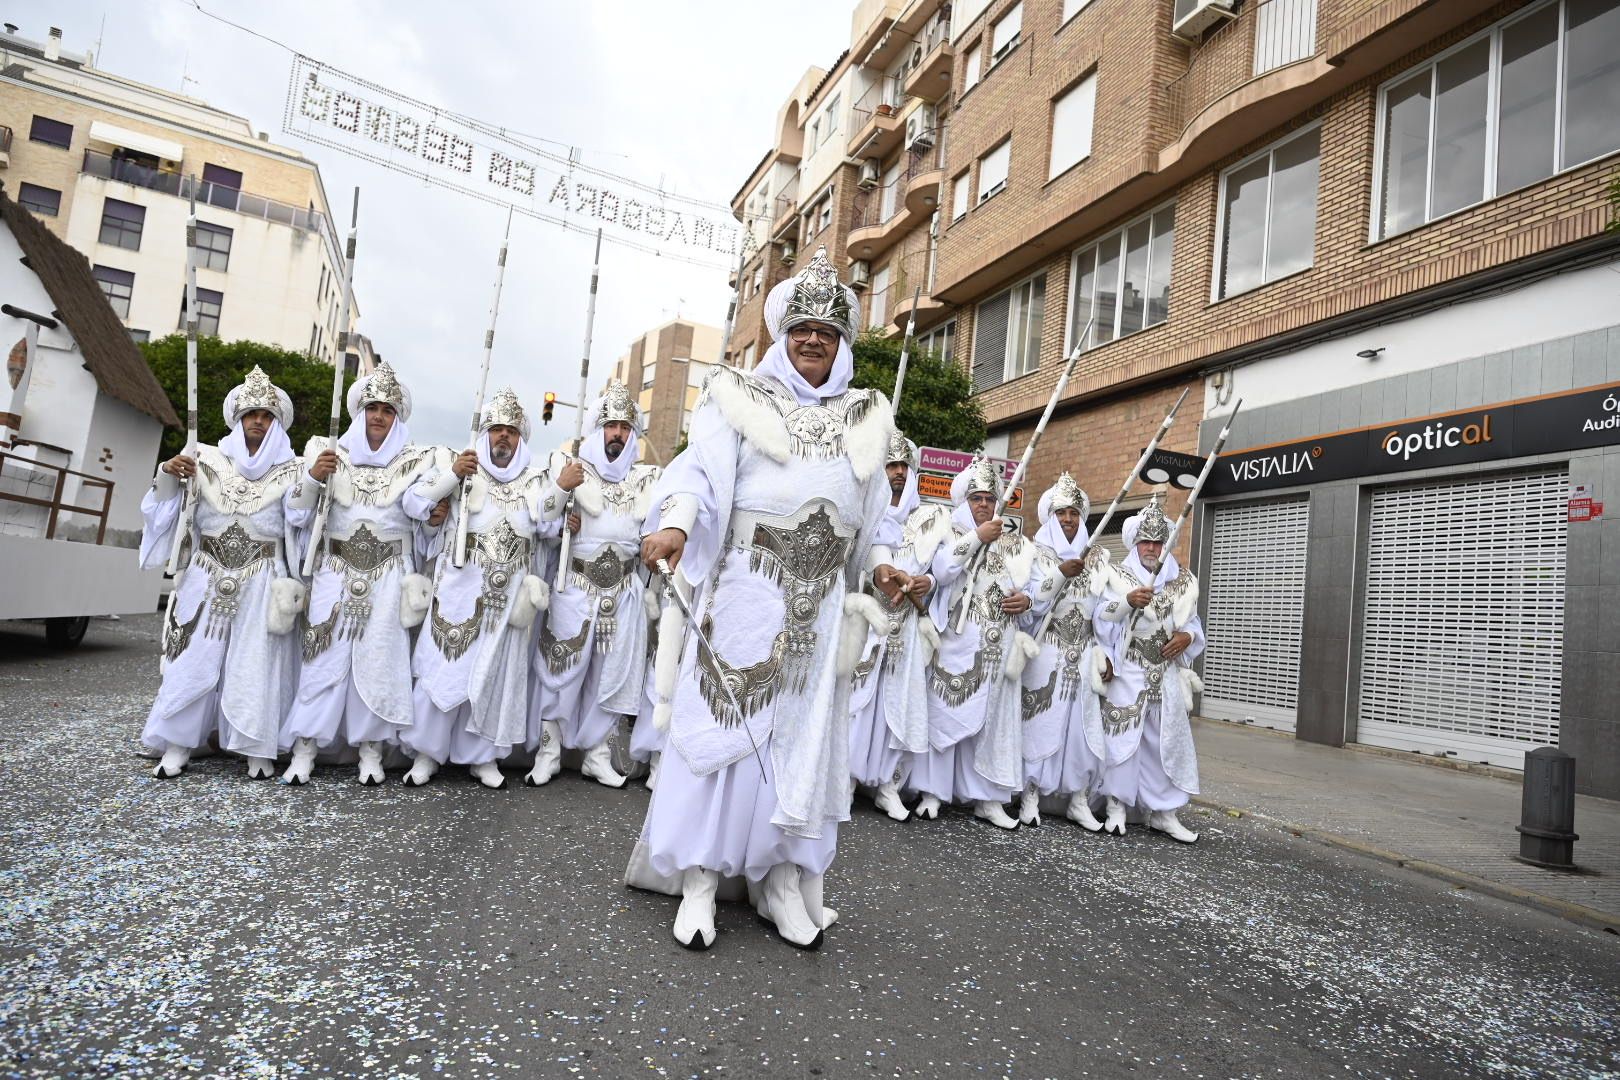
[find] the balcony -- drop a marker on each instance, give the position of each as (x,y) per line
(182,186)
(5,147)
(928,67)
(878,126)
(1264,37)
(785,214)
(924,176)
(872,29)
(881,219)
(916,270)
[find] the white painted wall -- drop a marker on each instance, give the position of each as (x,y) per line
(1554,307)
(820,164)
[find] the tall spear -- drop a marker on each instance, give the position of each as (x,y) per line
(1124,490)
(731,308)
(1023,465)
(188,504)
(458,555)
(1186,511)
(324,504)
(579,410)
(905,355)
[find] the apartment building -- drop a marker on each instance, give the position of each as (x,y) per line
(111,165)
(665,369)
(1377,223)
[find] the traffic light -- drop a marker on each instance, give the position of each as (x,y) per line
(551,403)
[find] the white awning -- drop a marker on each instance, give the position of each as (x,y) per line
(101,131)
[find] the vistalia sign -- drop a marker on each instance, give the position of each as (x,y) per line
(1573,420)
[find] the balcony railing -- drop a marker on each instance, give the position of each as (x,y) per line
(1263,37)
(786,207)
(181,186)
(882,98)
(35,497)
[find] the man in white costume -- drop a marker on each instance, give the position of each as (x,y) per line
(355,686)
(1150,763)
(771,512)
(975,742)
(471,701)
(592,662)
(1062,713)
(236,678)
(889,689)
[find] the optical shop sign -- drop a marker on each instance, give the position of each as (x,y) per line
(1570,421)
(341,111)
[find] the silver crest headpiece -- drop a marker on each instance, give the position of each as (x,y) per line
(618,406)
(980,475)
(504,409)
(1068,493)
(382,385)
(903,450)
(256,392)
(818,296)
(1151,524)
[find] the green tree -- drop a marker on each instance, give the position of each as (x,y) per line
(221,365)
(938,409)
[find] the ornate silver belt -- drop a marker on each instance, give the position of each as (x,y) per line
(365,551)
(364,558)
(234,549)
(605,572)
(235,556)
(502,554)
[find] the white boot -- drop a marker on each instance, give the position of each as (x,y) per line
(548,758)
(371,767)
(810,889)
(1165,821)
(927,808)
(489,774)
(1116,817)
(887,800)
(598,765)
(652,773)
(784,907)
(422,770)
(694,922)
(995,814)
(303,761)
(261,768)
(1029,807)
(1080,813)
(173,763)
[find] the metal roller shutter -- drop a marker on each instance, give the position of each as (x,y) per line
(1256,611)
(1463,626)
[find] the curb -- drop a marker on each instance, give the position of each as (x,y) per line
(1564,909)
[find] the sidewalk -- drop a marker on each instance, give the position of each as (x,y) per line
(1453,825)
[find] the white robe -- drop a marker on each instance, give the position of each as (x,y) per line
(232,667)
(471,661)
(754,454)
(973,700)
(1147,703)
(592,659)
(1061,711)
(360,641)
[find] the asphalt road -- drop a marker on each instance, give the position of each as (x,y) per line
(213,926)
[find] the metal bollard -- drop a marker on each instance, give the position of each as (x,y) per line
(1547,818)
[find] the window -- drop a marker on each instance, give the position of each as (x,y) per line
(993,170)
(880,298)
(1123,293)
(121,224)
(759,278)
(972,59)
(959,195)
(941,340)
(1071,8)
(1268,216)
(1004,35)
(1007,333)
(119,285)
(1447,142)
(320,286)
(221,186)
(44,201)
(649,372)
(1071,125)
(890,185)
(51,132)
(815,135)
(138,336)
(829,117)
(213,246)
(209,303)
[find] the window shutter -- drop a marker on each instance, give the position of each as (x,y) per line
(990,342)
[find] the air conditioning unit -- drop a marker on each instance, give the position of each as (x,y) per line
(860,274)
(920,128)
(1193,17)
(789,253)
(869,176)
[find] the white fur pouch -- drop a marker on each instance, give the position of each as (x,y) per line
(287,598)
(1024,649)
(416,590)
(532,598)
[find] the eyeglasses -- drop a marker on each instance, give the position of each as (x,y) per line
(802,334)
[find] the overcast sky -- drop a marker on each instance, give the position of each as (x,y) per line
(680,93)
